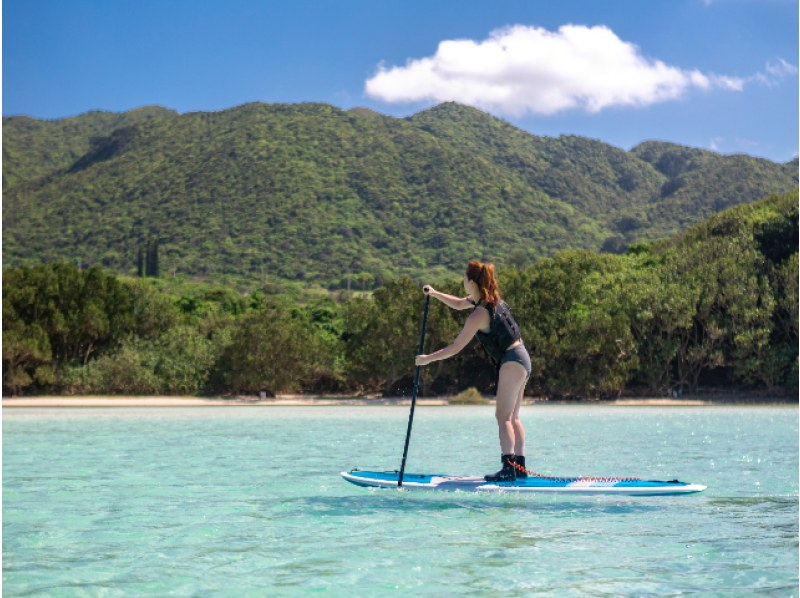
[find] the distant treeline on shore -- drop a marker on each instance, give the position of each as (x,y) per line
(717,305)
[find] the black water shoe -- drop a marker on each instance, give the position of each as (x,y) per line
(507,474)
(521,471)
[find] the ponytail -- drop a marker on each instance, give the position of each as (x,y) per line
(483,275)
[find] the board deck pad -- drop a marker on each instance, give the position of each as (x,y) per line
(531,484)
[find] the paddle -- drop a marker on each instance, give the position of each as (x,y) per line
(414,392)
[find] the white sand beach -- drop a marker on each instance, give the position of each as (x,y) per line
(169,401)
(368,400)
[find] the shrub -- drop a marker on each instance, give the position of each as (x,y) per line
(471,396)
(130,370)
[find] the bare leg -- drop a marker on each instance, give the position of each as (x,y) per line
(519,431)
(509,390)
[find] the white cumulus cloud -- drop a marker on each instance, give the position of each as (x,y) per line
(521,69)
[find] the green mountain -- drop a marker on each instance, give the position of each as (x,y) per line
(308,192)
(35,148)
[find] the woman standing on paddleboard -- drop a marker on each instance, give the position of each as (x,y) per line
(497,331)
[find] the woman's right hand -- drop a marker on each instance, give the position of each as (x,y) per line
(428,289)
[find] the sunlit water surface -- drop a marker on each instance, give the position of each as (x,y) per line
(248,501)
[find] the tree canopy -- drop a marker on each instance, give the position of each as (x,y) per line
(313,195)
(714,306)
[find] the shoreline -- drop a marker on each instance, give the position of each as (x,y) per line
(189,401)
(370,401)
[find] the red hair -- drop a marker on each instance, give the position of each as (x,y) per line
(483,275)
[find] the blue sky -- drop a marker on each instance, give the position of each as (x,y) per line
(716,74)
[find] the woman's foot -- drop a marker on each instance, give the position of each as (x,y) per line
(520,462)
(507,474)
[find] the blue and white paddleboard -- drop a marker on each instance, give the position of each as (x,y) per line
(531,484)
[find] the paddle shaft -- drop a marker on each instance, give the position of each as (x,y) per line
(414,391)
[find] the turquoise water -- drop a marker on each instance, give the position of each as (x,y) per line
(248,502)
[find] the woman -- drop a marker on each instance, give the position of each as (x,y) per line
(497,331)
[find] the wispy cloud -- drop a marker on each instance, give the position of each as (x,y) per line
(774,73)
(743,145)
(529,70)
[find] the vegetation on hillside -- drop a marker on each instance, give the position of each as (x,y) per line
(33,148)
(310,195)
(716,305)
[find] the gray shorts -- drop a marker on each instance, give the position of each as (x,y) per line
(520,355)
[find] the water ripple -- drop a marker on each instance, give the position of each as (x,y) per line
(210,502)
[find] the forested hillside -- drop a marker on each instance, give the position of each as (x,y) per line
(33,148)
(714,306)
(260,194)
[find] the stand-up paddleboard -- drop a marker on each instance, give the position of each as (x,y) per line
(534,483)
(531,484)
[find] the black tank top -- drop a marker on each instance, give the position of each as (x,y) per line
(503,330)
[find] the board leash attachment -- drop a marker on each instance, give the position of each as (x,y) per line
(541,476)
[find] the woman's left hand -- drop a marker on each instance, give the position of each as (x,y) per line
(421,360)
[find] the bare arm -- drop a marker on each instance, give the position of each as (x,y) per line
(448,300)
(475,321)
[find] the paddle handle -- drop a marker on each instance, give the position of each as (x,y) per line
(414,391)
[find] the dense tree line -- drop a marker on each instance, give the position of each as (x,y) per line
(715,306)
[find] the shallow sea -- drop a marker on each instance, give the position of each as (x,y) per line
(247,501)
